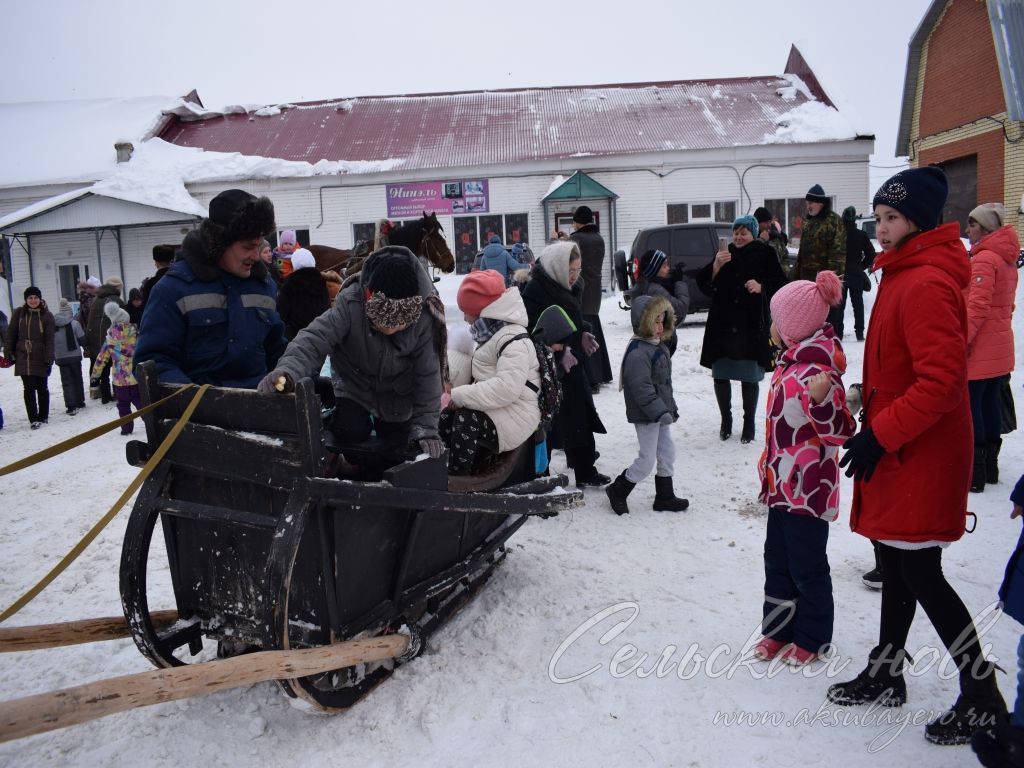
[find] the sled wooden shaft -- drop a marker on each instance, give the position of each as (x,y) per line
(71,706)
(38,636)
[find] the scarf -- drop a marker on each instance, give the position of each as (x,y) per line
(485,327)
(392,313)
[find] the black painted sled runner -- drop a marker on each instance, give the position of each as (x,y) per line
(265,553)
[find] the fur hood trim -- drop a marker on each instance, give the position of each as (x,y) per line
(645,310)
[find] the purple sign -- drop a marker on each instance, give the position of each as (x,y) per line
(406,201)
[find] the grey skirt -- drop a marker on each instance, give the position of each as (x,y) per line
(747,371)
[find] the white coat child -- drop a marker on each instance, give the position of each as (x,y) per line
(646,383)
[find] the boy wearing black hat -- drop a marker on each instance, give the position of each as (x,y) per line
(212,318)
(775,237)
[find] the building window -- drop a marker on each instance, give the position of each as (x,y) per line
(678,214)
(363,232)
(301,236)
(472,233)
(791,212)
(683,213)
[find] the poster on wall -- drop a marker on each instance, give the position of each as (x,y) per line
(467,196)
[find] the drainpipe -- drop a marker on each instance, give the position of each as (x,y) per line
(99,254)
(120,258)
(31,269)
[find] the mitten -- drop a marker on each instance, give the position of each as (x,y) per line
(665,419)
(863,452)
(276,382)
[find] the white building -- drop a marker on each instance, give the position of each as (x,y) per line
(511,162)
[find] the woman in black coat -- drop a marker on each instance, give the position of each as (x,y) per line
(741,282)
(555,281)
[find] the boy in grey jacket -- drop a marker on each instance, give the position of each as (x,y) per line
(646,383)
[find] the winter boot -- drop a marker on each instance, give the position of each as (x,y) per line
(723,394)
(980,463)
(999,747)
(665,499)
(992,461)
(881,682)
(873,578)
(750,394)
(617,492)
(979,707)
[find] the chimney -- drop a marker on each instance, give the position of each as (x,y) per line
(124,151)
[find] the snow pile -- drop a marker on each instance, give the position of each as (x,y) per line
(71,141)
(809,122)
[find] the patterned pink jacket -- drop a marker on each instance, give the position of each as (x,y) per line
(799,467)
(119,349)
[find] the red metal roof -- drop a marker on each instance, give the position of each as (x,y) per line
(504,126)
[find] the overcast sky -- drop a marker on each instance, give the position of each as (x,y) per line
(302,50)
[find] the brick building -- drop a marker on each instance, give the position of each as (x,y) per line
(963,103)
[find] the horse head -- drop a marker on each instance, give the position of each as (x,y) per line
(433,245)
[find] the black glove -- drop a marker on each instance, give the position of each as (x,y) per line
(863,452)
(276,382)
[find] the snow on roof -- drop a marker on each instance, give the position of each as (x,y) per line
(465,129)
(821,56)
(52,142)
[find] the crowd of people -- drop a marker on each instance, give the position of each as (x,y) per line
(224,308)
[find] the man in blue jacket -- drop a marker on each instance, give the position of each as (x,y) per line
(213,318)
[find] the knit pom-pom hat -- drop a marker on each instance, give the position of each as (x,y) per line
(801,307)
(479,289)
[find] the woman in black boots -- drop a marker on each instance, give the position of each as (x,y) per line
(741,282)
(30,342)
(912,459)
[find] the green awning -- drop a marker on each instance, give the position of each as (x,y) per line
(579,186)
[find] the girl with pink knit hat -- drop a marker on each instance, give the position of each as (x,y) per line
(807,421)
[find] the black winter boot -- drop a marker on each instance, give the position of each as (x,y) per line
(750,394)
(979,707)
(665,499)
(992,461)
(881,681)
(1000,747)
(723,395)
(873,578)
(617,492)
(978,476)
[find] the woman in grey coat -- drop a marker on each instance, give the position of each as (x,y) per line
(68,338)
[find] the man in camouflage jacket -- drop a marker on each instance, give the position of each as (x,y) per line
(823,239)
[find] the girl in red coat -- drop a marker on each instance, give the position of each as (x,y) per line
(994,250)
(912,460)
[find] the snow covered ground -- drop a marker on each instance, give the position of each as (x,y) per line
(577,595)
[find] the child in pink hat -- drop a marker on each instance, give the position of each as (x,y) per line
(807,421)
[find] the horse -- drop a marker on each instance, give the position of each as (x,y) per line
(424,237)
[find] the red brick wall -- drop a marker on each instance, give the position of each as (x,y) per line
(989,149)
(961,79)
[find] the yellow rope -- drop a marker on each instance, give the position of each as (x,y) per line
(77,550)
(85,437)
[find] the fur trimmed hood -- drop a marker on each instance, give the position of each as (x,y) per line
(201,250)
(645,310)
(203,247)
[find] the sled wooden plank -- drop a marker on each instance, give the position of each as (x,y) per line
(58,709)
(193,511)
(242,409)
(39,636)
(380,495)
(235,457)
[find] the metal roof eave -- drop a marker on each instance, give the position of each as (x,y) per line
(914,50)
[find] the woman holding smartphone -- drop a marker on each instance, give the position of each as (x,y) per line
(741,281)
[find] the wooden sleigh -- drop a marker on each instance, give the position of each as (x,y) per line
(266,554)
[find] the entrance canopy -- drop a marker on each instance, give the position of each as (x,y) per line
(580,186)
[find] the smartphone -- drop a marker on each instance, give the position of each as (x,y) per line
(722,243)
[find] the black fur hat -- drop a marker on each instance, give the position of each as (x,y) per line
(235,215)
(762,215)
(242,216)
